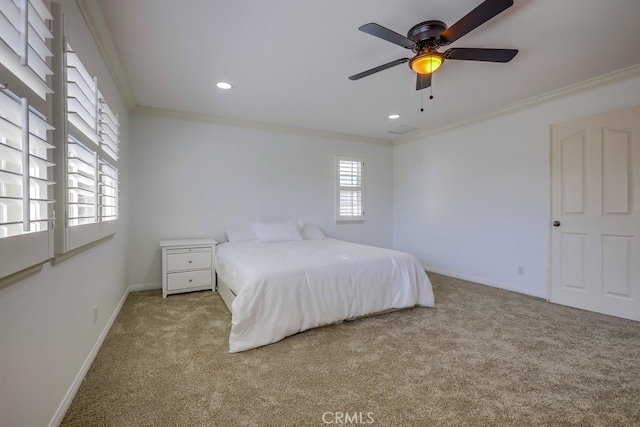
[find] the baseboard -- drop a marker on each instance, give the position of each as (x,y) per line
(487,282)
(71,393)
(145,287)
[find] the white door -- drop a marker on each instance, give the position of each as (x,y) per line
(595,214)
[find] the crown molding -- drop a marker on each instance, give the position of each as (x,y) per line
(94,17)
(605,79)
(180,115)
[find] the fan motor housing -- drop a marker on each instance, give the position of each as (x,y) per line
(426,30)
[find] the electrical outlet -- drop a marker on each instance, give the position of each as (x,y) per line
(95,314)
(521,270)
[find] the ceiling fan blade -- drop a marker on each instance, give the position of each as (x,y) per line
(388,35)
(478,54)
(478,16)
(378,68)
(423,81)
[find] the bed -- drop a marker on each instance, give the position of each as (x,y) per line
(279,284)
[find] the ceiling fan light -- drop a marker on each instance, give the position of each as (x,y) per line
(426,63)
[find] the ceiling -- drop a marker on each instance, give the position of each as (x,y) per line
(289,60)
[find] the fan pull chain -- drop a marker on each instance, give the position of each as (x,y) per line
(422,95)
(431,89)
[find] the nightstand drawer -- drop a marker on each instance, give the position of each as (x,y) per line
(188,250)
(188,279)
(188,261)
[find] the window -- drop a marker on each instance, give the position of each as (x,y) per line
(108,191)
(24,50)
(82,196)
(25,167)
(91,177)
(350,188)
(109,141)
(26,151)
(82,144)
(58,143)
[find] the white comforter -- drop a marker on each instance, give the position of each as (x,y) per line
(288,287)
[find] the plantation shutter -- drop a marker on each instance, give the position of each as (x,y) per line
(109,141)
(25,167)
(82,143)
(108,191)
(82,173)
(92,158)
(350,189)
(82,100)
(109,129)
(24,49)
(26,152)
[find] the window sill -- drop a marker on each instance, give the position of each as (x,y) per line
(30,271)
(349,221)
(20,275)
(58,258)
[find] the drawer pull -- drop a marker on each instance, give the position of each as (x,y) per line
(190,280)
(190,261)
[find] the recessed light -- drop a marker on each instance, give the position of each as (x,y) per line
(223,85)
(394,116)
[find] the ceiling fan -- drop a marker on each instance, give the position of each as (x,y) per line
(425,38)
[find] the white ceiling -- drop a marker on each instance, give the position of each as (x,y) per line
(289,60)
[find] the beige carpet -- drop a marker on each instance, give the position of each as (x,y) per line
(483,356)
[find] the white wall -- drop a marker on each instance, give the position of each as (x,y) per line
(194,179)
(46,321)
(473,202)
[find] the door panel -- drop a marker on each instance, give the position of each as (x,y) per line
(616,148)
(573,149)
(573,260)
(595,189)
(616,251)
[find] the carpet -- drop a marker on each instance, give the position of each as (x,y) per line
(482,357)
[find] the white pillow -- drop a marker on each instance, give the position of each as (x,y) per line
(276,231)
(312,232)
(240,233)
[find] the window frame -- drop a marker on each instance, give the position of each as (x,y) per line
(339,214)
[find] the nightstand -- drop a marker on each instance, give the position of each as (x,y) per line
(187,265)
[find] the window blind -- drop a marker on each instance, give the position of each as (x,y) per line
(109,143)
(108,191)
(24,45)
(26,152)
(109,129)
(92,149)
(82,174)
(82,100)
(350,189)
(25,168)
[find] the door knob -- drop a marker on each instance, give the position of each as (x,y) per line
(556,223)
